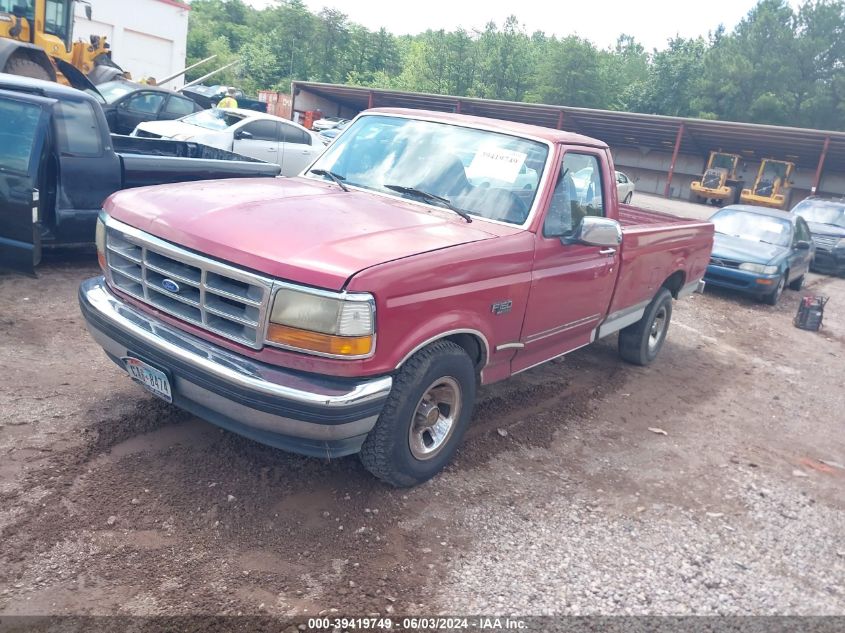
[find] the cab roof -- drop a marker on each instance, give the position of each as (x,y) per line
(16,83)
(499,125)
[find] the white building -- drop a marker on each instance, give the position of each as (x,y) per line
(148,37)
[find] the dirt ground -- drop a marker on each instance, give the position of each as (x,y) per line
(112,502)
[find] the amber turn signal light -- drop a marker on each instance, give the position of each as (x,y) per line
(318,342)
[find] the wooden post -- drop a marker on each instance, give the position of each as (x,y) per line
(819,169)
(674,160)
(458,107)
(560,120)
(370,100)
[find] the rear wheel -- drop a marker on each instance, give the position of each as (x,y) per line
(424,418)
(773,297)
(640,343)
(27,68)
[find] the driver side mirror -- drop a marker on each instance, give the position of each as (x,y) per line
(243,135)
(596,231)
(802,245)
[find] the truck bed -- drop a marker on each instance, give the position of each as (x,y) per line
(653,245)
(151,161)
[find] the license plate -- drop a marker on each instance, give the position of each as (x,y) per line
(150,378)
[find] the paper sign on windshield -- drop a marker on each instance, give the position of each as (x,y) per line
(496,164)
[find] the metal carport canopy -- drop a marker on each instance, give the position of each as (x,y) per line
(802,146)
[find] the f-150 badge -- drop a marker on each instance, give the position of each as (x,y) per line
(502,307)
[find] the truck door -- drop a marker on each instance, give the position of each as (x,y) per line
(24,124)
(572,283)
(258,139)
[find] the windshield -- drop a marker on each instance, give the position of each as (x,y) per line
(484,173)
(822,212)
(723,161)
(754,227)
(214,119)
(114,90)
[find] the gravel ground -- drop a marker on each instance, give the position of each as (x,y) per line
(561,500)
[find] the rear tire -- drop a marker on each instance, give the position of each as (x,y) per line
(797,284)
(640,343)
(424,418)
(26,68)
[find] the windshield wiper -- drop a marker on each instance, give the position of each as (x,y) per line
(430,197)
(337,178)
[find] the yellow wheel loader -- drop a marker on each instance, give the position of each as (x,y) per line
(719,182)
(36,40)
(773,186)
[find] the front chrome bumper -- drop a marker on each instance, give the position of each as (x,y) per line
(304,413)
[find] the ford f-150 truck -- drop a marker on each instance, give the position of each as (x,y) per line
(356,308)
(58,164)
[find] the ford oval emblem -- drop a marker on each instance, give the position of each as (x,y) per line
(170,285)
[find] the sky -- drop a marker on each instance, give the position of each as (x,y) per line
(651,22)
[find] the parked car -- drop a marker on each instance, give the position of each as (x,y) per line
(127,104)
(58,165)
(210,96)
(262,136)
(327,136)
(759,251)
(357,308)
(826,219)
(327,123)
(625,187)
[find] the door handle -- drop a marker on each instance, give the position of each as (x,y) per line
(607,251)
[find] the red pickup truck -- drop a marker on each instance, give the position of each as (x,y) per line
(357,307)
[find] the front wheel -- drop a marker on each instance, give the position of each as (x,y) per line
(627,199)
(424,418)
(797,283)
(773,297)
(639,343)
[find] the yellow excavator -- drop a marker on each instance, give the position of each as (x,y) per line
(720,181)
(773,186)
(36,40)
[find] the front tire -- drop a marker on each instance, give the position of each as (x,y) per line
(424,418)
(27,68)
(797,284)
(640,343)
(628,198)
(773,297)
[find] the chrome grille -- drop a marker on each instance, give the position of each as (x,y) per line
(825,242)
(217,297)
(724,263)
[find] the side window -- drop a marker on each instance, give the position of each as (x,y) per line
(77,129)
(292,134)
(263,130)
(18,129)
(145,102)
(802,231)
(578,193)
(179,106)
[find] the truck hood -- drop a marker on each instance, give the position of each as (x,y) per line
(291,228)
(740,250)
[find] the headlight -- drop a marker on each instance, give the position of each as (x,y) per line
(100,241)
(759,268)
(332,326)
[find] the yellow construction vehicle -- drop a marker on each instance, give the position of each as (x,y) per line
(773,186)
(720,181)
(36,40)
